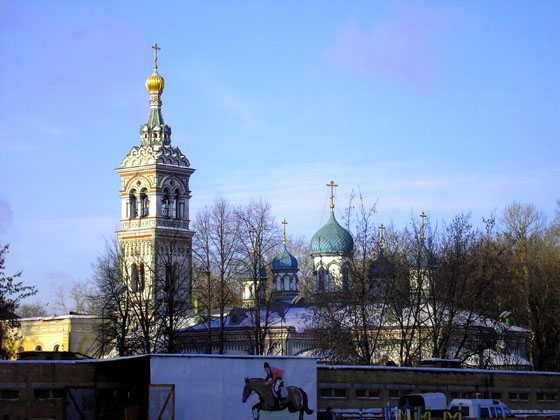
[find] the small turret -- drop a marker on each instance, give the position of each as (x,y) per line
(381,272)
(421,266)
(155,132)
(284,272)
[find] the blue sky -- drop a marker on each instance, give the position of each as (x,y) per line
(444,107)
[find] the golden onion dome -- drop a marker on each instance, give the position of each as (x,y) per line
(155,82)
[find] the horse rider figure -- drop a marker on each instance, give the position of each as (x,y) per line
(276,377)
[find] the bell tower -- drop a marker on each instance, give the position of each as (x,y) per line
(155,239)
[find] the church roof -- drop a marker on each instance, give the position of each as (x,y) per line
(149,155)
(381,266)
(332,238)
(284,260)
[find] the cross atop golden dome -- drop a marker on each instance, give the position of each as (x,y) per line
(155,82)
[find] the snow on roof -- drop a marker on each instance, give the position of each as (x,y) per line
(431,369)
(60,317)
(493,358)
(294,317)
(300,318)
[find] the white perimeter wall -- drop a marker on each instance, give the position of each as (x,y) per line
(211,387)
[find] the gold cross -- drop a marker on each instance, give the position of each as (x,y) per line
(332,185)
(252,232)
(422,226)
(156,48)
(381,229)
(284,238)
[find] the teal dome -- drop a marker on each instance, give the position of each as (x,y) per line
(332,238)
(284,260)
(422,258)
(247,272)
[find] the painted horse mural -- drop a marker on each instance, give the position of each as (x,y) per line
(295,400)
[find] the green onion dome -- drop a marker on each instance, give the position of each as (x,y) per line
(247,271)
(422,258)
(332,238)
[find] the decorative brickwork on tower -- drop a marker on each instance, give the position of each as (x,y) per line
(155,235)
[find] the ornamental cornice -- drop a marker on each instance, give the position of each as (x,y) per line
(151,155)
(331,254)
(133,224)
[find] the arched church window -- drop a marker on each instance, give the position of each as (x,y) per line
(20,349)
(176,214)
(282,283)
(321,279)
(38,347)
(142,277)
(56,347)
(133,208)
(165,203)
(144,202)
(135,277)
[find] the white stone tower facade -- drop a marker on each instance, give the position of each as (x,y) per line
(155,239)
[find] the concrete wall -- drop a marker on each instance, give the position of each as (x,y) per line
(66,389)
(348,387)
(111,388)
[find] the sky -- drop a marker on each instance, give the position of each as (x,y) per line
(442,107)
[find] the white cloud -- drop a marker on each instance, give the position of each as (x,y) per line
(298,192)
(403,45)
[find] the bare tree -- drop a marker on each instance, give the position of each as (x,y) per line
(204,291)
(460,324)
(216,250)
(533,267)
(172,291)
(34,309)
(350,322)
(12,292)
(77,299)
(258,235)
(112,301)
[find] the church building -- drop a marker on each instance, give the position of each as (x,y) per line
(331,250)
(155,238)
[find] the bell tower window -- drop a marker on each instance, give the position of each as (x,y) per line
(142,277)
(171,276)
(165,203)
(176,205)
(133,208)
(144,202)
(135,278)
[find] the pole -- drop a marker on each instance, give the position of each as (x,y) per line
(282,332)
